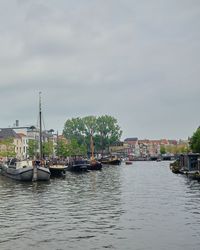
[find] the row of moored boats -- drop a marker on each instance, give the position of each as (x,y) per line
(42,170)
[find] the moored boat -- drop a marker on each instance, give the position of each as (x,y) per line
(195,175)
(57,168)
(94,165)
(187,164)
(128,162)
(79,165)
(18,170)
(40,171)
(25,170)
(113,160)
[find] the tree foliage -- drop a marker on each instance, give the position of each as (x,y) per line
(74,129)
(162,149)
(62,149)
(47,148)
(70,149)
(8,148)
(32,148)
(104,130)
(176,149)
(195,141)
(108,132)
(76,149)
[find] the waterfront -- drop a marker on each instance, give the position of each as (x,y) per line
(139,206)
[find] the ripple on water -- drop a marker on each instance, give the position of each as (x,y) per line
(142,206)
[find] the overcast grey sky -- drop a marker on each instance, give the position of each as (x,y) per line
(136,60)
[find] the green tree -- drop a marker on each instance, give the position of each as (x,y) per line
(195,141)
(76,149)
(183,149)
(32,148)
(90,128)
(104,129)
(162,149)
(47,148)
(8,148)
(62,149)
(108,132)
(74,129)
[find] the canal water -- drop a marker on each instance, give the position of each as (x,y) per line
(143,206)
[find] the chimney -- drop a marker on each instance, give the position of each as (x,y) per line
(17,123)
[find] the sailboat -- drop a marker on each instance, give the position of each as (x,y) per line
(40,171)
(27,170)
(93,163)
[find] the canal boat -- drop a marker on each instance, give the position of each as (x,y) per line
(57,168)
(195,175)
(187,164)
(18,170)
(111,160)
(78,165)
(128,162)
(40,171)
(25,170)
(93,163)
(28,170)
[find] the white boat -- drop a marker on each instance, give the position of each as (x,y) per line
(40,171)
(18,170)
(25,170)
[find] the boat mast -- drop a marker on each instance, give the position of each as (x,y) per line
(40,123)
(92,145)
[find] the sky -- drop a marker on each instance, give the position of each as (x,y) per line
(138,61)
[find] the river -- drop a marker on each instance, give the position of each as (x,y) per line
(143,206)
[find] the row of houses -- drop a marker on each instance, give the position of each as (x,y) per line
(20,137)
(133,147)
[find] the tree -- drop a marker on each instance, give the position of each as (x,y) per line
(104,130)
(195,141)
(62,150)
(162,149)
(76,149)
(47,148)
(70,149)
(108,132)
(8,148)
(32,148)
(90,128)
(74,129)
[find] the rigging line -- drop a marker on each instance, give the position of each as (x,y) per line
(43,123)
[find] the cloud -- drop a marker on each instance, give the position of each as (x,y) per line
(135,60)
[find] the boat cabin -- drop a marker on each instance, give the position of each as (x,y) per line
(189,161)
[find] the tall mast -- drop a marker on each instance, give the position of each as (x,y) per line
(40,122)
(92,145)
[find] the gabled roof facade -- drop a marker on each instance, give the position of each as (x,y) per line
(131,139)
(7,133)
